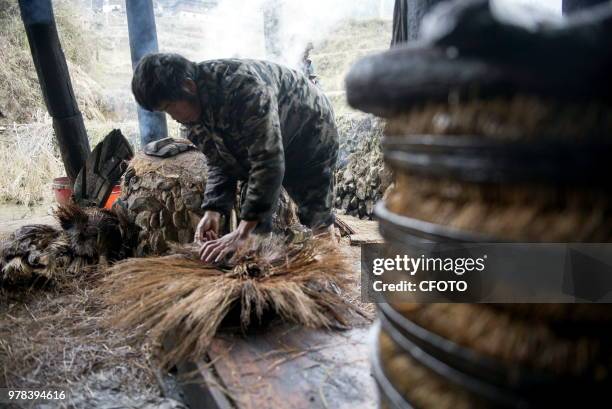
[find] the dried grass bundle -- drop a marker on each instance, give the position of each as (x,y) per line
(86,238)
(189,165)
(179,295)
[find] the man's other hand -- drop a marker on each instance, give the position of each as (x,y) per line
(208,227)
(214,251)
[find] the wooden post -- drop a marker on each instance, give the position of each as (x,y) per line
(54,78)
(407,17)
(143,40)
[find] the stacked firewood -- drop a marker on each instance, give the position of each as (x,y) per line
(361,178)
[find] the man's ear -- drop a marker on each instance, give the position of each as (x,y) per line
(190,86)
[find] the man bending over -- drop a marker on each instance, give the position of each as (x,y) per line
(255,121)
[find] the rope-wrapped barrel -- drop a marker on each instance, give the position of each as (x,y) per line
(488,146)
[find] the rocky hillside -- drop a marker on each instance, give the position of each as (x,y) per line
(350,41)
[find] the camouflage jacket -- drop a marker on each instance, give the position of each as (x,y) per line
(258,121)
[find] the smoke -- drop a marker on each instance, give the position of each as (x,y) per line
(528,13)
(311,21)
(235,28)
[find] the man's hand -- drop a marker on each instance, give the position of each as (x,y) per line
(214,251)
(208,227)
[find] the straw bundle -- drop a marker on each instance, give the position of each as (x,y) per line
(179,295)
(86,238)
(361,177)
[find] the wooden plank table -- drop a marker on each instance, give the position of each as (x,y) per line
(286,367)
(365,231)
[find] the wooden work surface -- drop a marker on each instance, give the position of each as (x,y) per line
(365,231)
(291,367)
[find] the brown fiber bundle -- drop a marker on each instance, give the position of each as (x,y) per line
(86,237)
(514,211)
(179,295)
(164,197)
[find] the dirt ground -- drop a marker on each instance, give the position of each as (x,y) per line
(58,337)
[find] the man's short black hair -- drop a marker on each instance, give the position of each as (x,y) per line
(160,77)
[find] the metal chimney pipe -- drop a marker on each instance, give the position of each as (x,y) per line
(143,40)
(54,79)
